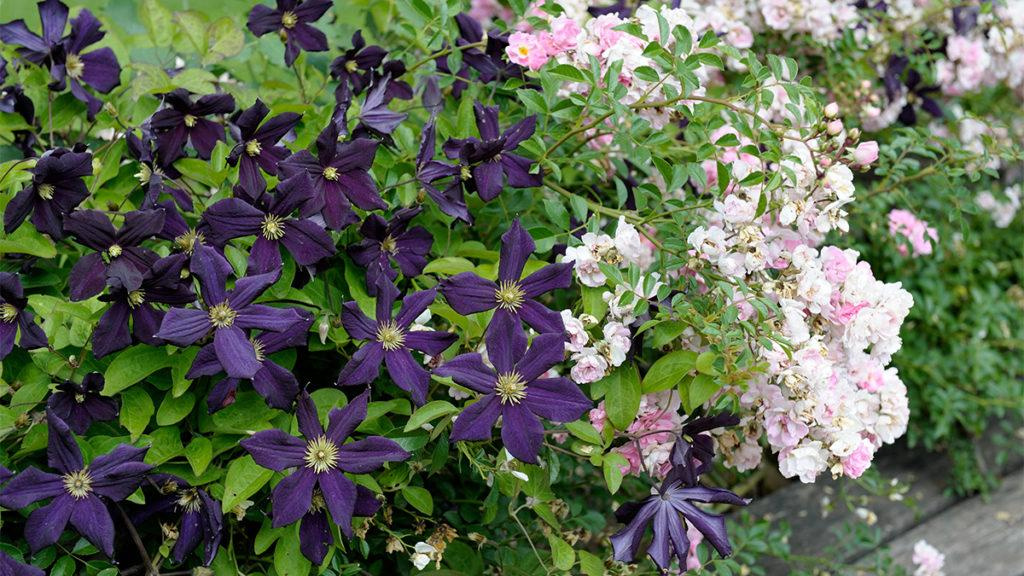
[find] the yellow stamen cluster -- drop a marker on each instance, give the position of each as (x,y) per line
(189,501)
(221,315)
(289,19)
(253,148)
(74,66)
(272,227)
(187,241)
(8,313)
(351,66)
(45,191)
(465,173)
(321,455)
(190,120)
(390,336)
(317,503)
(144,174)
(510,388)
(114,251)
(509,295)
(389,245)
(78,483)
(257,346)
(136,298)
(79,398)
(331,173)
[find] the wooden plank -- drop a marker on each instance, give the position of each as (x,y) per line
(980,537)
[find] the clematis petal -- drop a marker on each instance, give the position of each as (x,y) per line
(315,536)
(521,433)
(343,421)
(88,277)
(369,454)
(516,248)
(357,324)
(364,366)
(545,351)
(541,318)
(476,422)
(31,485)
(488,177)
(277,385)
(309,420)
(183,326)
(556,399)
(429,341)
(275,449)
(408,374)
(62,452)
(340,496)
(307,242)
(413,305)
(468,293)
(249,288)
(292,497)
(269,318)
(45,525)
(235,352)
(90,517)
(548,278)
(469,370)
(506,341)
(626,542)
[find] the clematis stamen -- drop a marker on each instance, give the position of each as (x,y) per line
(45,191)
(509,295)
(272,227)
(253,148)
(221,315)
(321,455)
(390,336)
(331,173)
(78,483)
(510,388)
(74,66)
(289,19)
(8,313)
(189,500)
(136,298)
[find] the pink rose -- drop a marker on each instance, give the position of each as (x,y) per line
(866,153)
(858,461)
(526,50)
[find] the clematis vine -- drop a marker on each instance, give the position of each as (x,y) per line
(514,389)
(198,516)
(273,225)
(512,295)
(81,404)
(272,381)
(321,460)
(227,315)
(390,341)
(118,251)
(79,493)
(391,241)
(183,121)
(56,189)
(292,20)
(15,318)
(341,177)
(257,145)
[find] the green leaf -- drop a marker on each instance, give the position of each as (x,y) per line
(591,565)
(288,558)
(668,370)
(157,20)
(622,398)
(584,431)
(612,468)
(27,240)
(420,499)
(465,122)
(700,390)
(131,365)
(566,72)
(429,412)
(226,39)
(172,410)
(199,452)
(244,478)
(706,363)
(136,410)
(448,266)
(561,552)
(193,25)
(165,443)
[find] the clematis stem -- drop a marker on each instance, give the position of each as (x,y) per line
(150,570)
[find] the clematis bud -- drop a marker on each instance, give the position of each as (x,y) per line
(323,328)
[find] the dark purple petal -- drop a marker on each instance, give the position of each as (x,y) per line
(541,318)
(88,277)
(519,132)
(91,228)
(62,452)
(307,242)
(667,529)
(413,305)
(556,399)
(46,524)
(364,366)
(292,497)
(309,421)
(548,278)
(517,170)
(275,449)
(486,120)
(545,351)
(408,374)
(18,209)
(249,288)
(268,318)
(232,218)
(343,421)
(235,352)
(712,526)
(366,502)
(369,454)
(100,70)
(487,177)
(626,542)
(468,293)
(90,517)
(315,536)
(31,485)
(470,371)
(476,422)
(117,474)
(340,496)
(140,225)
(183,326)
(516,248)
(357,324)
(263,20)
(521,433)
(112,332)
(506,342)
(277,385)
(430,342)
(264,256)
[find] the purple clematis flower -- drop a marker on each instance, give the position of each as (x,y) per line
(352,69)
(37,49)
(340,173)
(117,250)
(79,405)
(694,450)
(375,117)
(257,145)
(132,299)
(913,87)
(514,389)
(200,520)
(276,384)
(228,314)
(490,62)
(487,163)
(511,296)
(668,512)
(315,536)
(79,492)
(205,261)
(183,121)
(56,189)
(97,69)
(389,341)
(387,241)
(321,460)
(428,171)
(273,226)
(14,317)
(153,175)
(11,567)
(292,22)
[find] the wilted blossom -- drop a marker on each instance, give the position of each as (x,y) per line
(273,225)
(79,405)
(292,22)
(154,175)
(132,300)
(79,492)
(227,315)
(14,317)
(391,241)
(511,295)
(352,69)
(515,389)
(199,519)
(56,189)
(117,250)
(11,567)
(257,145)
(320,460)
(488,163)
(183,121)
(340,173)
(390,341)
(275,383)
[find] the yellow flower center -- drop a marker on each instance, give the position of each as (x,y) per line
(272,227)
(8,313)
(190,120)
(331,173)
(78,483)
(221,315)
(317,503)
(187,241)
(465,173)
(79,398)
(136,298)
(523,50)
(114,251)
(144,173)
(74,66)
(189,501)
(257,346)
(389,245)
(390,336)
(289,19)
(45,191)
(321,455)
(510,388)
(509,295)
(253,148)
(351,66)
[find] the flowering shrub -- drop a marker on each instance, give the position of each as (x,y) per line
(555,276)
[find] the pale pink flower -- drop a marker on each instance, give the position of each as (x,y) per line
(866,153)
(526,50)
(589,366)
(859,460)
(928,559)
